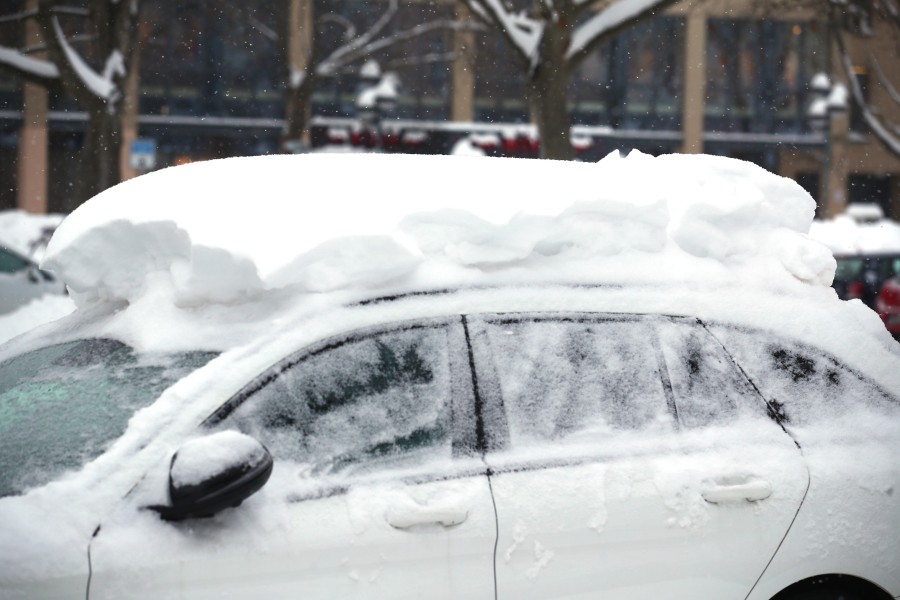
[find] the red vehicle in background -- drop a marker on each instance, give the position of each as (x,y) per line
(888,305)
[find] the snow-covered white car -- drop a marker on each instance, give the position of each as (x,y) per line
(22,281)
(464,378)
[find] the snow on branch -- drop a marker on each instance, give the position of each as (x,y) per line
(523,32)
(332,65)
(100,85)
(28,66)
(367,37)
(891,90)
(607,20)
(885,133)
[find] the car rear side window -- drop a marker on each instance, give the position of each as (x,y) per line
(804,384)
(380,400)
(708,387)
(563,377)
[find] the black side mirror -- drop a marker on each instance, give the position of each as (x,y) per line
(215,472)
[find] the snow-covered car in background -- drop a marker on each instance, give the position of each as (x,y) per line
(866,246)
(862,275)
(22,281)
(888,305)
(497,379)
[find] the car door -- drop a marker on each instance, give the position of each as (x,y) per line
(377,490)
(637,461)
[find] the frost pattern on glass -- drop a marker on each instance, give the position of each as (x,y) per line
(562,377)
(383,400)
(707,386)
(61,406)
(803,385)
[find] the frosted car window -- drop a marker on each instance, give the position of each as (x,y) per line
(62,405)
(707,386)
(561,377)
(803,384)
(383,399)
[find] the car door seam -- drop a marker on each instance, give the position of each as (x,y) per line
(481,441)
(787,531)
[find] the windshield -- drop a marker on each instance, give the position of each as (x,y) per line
(62,405)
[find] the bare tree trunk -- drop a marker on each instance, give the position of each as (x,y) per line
(99,156)
(298,110)
(297,41)
(547,92)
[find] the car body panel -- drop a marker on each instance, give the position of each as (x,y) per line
(144,448)
(612,510)
(341,546)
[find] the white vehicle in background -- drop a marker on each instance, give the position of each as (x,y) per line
(21,281)
(474,392)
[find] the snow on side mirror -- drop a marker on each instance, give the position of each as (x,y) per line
(215,472)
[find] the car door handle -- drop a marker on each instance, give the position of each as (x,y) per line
(751,491)
(408,517)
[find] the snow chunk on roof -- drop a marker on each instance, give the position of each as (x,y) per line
(224,230)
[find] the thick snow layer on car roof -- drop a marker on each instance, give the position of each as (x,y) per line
(223,230)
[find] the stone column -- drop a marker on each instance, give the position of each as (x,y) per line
(693,96)
(31,163)
(462,101)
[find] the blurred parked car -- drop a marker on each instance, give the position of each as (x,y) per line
(475,414)
(22,281)
(888,305)
(862,275)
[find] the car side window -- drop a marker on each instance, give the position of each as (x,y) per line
(803,384)
(383,399)
(562,377)
(707,386)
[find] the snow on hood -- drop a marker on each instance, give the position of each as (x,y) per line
(226,230)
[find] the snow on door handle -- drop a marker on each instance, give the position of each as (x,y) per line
(751,491)
(408,517)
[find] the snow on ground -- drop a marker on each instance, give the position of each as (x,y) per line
(861,230)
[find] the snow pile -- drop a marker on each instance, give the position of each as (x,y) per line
(861,230)
(25,232)
(228,230)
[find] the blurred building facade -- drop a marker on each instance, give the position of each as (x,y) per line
(713,76)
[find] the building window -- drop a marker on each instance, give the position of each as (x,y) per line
(758,74)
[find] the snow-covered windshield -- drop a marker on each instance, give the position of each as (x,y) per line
(61,405)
